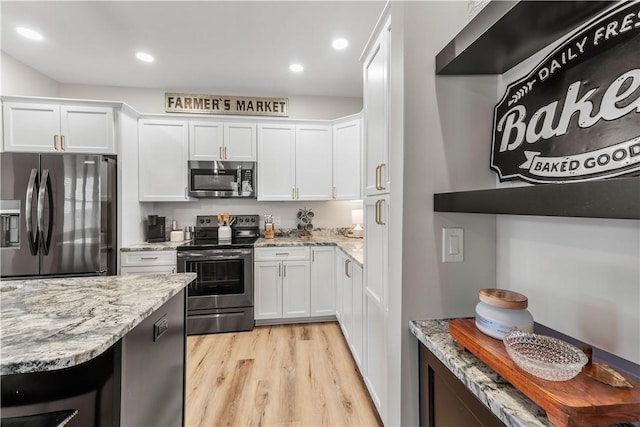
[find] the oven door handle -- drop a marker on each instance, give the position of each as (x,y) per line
(197,256)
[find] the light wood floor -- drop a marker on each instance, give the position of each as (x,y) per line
(285,375)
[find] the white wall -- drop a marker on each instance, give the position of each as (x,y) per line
(447,137)
(20,79)
(152,101)
(582,276)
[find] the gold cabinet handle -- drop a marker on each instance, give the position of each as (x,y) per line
(279,270)
(225,153)
(62,142)
(378,177)
(382,187)
(55,142)
(220,152)
(377,212)
(346,267)
(381,222)
(297,193)
(285,271)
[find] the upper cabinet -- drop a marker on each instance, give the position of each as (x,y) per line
(376,115)
(294,162)
(347,159)
(313,166)
(44,127)
(215,140)
(505,33)
(163,150)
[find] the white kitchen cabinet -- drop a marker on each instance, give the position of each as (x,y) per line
(240,142)
(206,140)
(356,341)
(375,297)
(323,281)
(313,165)
(163,152)
(376,115)
(215,140)
(295,162)
(147,262)
(296,289)
(43,128)
(347,143)
(281,283)
(276,162)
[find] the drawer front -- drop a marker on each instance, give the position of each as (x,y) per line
(140,258)
(282,253)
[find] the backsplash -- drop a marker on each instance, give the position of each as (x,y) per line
(324,232)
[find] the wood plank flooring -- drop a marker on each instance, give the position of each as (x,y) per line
(285,375)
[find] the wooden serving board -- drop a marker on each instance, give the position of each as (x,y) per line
(581,401)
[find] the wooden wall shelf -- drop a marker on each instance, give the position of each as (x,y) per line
(608,198)
(505,33)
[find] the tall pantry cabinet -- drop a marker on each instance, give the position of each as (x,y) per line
(376,207)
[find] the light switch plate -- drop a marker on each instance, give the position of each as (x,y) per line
(452,245)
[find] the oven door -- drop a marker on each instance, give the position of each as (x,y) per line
(225,278)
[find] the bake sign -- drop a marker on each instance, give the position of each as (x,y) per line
(576,115)
(218,104)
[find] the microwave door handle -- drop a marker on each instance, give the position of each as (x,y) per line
(28,207)
(45,190)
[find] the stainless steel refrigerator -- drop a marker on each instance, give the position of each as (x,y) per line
(57,215)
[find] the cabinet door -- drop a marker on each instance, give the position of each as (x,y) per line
(267,290)
(163,149)
(347,298)
(375,291)
(205,141)
(31,127)
(240,142)
(276,157)
(357,316)
(313,154)
(340,257)
(346,161)
(323,281)
(87,129)
(295,289)
(376,116)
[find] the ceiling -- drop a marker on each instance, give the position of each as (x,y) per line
(225,47)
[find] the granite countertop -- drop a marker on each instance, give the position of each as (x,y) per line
(50,324)
(352,247)
(160,246)
(507,403)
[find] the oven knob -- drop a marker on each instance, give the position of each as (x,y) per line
(253,220)
(240,220)
(201,221)
(208,221)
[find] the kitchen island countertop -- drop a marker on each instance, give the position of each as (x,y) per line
(50,324)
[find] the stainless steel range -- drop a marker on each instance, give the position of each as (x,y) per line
(221,297)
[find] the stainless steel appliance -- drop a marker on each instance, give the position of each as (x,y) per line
(58,214)
(221,297)
(156,229)
(218,179)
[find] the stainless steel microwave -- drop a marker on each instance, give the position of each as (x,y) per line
(218,179)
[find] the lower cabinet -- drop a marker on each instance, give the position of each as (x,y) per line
(282,283)
(445,400)
(349,285)
(147,262)
(323,293)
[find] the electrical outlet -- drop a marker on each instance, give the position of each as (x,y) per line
(452,245)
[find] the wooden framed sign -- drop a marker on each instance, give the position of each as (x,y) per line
(219,104)
(576,115)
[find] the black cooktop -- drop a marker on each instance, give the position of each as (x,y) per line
(245,230)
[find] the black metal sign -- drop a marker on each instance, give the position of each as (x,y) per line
(576,115)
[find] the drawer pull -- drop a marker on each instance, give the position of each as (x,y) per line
(282,253)
(149,257)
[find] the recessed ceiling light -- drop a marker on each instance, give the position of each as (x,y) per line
(144,57)
(340,44)
(28,33)
(296,68)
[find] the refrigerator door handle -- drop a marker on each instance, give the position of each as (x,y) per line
(28,207)
(45,190)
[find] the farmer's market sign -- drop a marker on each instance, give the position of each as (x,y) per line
(576,115)
(218,104)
